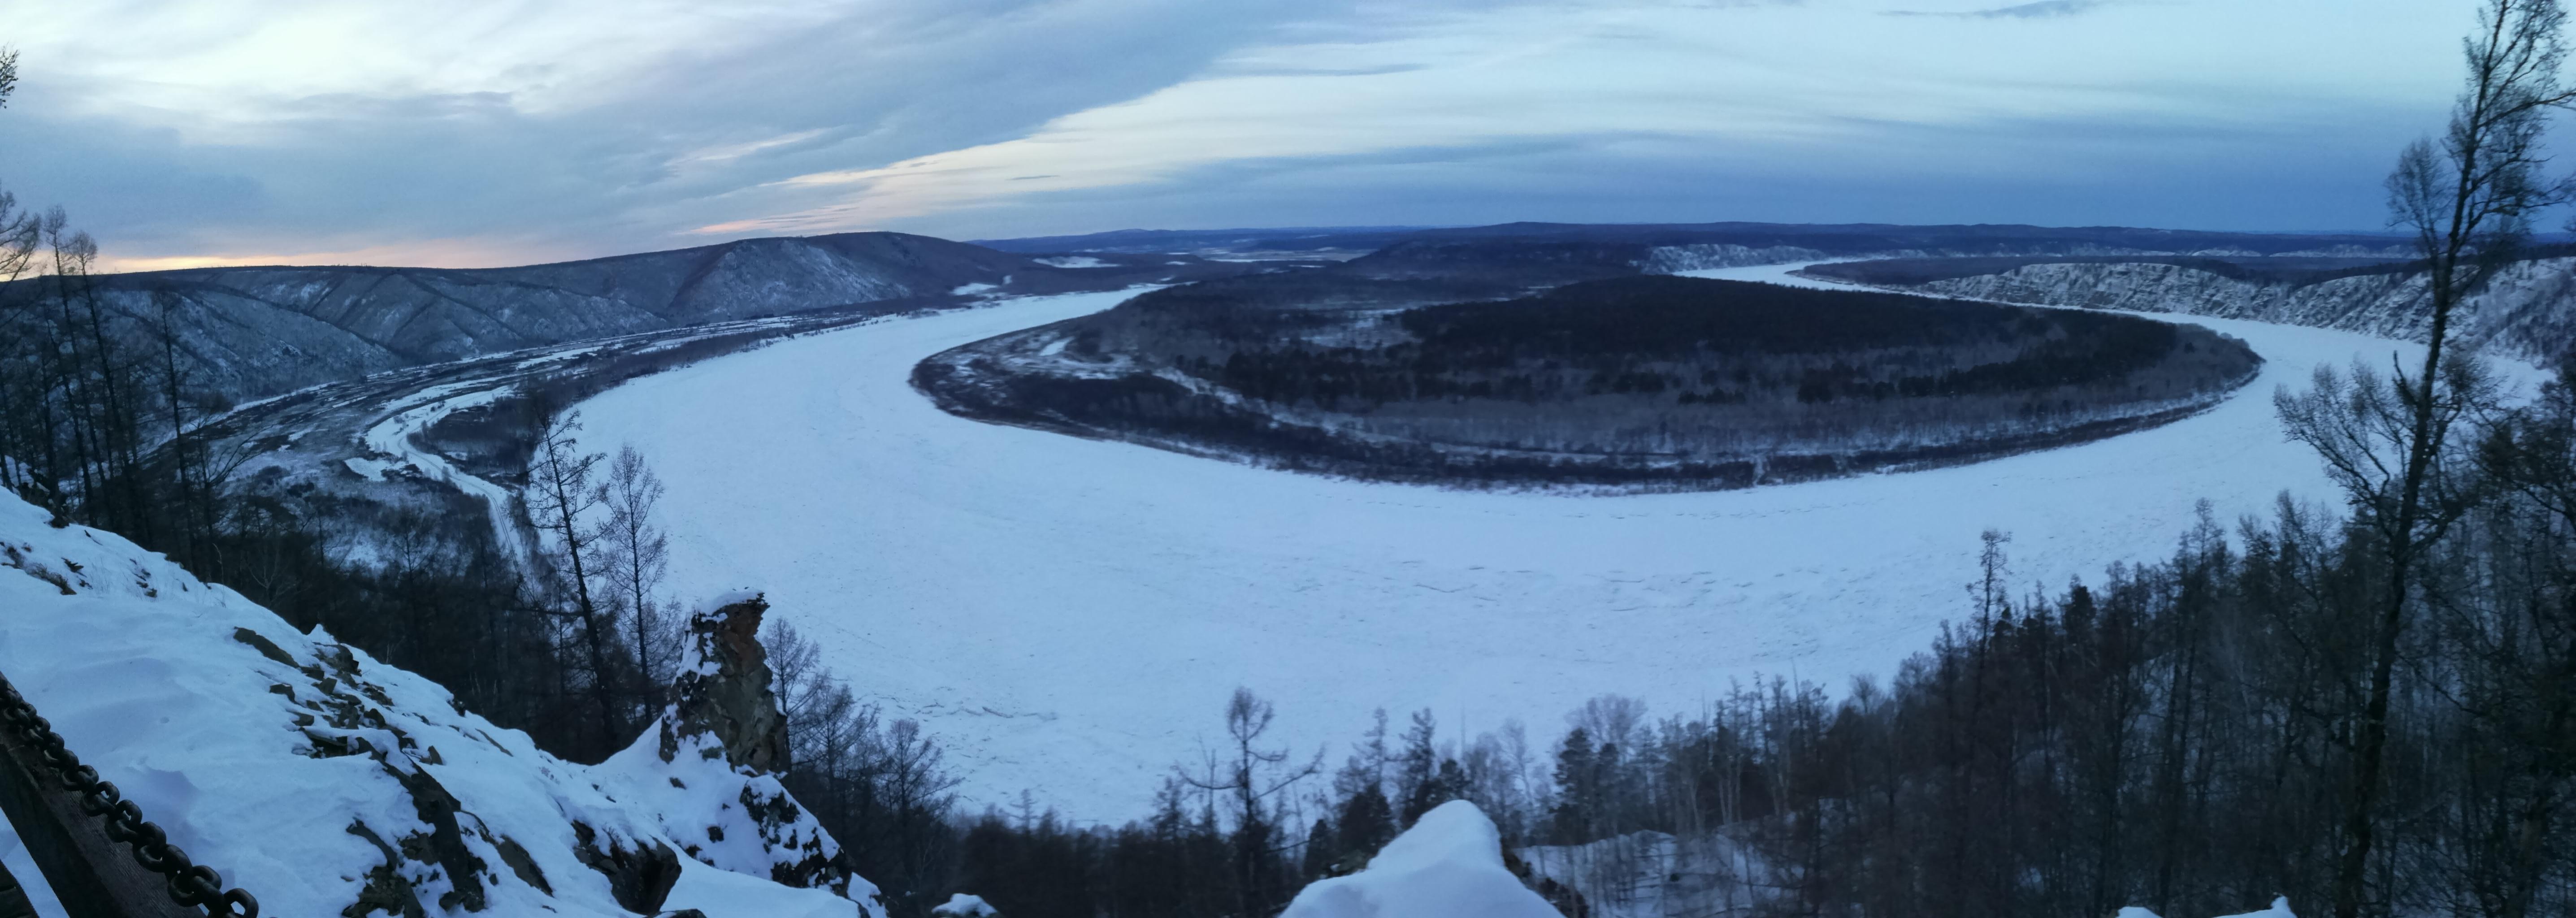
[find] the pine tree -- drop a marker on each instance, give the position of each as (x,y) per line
(1365,824)
(1321,850)
(1417,779)
(1570,821)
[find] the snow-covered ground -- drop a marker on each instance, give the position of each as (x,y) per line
(1070,615)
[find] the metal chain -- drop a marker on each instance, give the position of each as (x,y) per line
(192,885)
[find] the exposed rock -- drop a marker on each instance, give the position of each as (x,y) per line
(709,767)
(639,878)
(723,690)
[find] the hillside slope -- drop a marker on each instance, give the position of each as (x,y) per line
(2527,312)
(326,783)
(259,331)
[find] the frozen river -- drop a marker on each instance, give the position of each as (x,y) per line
(1068,616)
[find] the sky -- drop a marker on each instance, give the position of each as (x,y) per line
(495,132)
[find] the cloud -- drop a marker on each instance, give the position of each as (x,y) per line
(1685,83)
(2044,9)
(509,132)
(581,127)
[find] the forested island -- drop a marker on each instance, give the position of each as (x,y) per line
(1648,383)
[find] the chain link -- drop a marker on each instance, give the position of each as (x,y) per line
(192,885)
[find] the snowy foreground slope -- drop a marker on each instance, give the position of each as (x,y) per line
(326,783)
(1070,615)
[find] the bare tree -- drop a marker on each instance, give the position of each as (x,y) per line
(20,238)
(8,74)
(1250,777)
(560,492)
(2469,198)
(638,558)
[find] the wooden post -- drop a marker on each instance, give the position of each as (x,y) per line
(90,875)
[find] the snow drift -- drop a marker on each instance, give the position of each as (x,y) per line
(1449,864)
(327,783)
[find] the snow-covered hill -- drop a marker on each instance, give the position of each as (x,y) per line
(253,332)
(1448,865)
(326,783)
(1070,615)
(2528,311)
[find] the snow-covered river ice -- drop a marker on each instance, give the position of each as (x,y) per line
(1068,616)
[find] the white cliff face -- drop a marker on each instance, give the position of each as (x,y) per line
(2527,312)
(325,782)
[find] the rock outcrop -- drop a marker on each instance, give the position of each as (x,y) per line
(710,765)
(723,692)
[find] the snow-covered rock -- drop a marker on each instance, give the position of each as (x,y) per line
(325,782)
(962,905)
(707,770)
(1449,865)
(2280,909)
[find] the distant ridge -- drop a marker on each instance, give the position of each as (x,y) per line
(1835,239)
(259,331)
